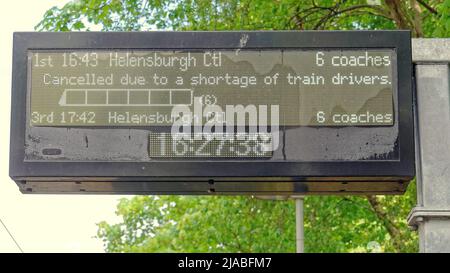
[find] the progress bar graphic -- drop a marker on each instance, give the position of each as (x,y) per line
(126,97)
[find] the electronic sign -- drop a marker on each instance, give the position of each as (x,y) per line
(212,112)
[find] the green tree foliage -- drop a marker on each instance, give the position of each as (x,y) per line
(425,18)
(248,224)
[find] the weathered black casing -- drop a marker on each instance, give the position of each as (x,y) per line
(214,176)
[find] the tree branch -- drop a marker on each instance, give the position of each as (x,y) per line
(328,13)
(387,223)
(416,20)
(395,9)
(428,7)
(366,12)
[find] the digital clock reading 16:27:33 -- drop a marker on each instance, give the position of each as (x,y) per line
(211,145)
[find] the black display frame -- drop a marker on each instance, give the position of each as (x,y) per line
(209,173)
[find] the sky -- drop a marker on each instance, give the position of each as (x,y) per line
(41,223)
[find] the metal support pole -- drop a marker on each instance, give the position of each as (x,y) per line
(300,239)
(431,216)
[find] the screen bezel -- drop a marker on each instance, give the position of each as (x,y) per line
(402,169)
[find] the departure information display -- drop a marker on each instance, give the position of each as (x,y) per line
(212,112)
(162,87)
